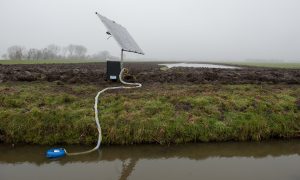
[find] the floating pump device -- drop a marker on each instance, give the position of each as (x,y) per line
(127,43)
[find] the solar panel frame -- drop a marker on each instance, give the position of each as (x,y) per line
(121,35)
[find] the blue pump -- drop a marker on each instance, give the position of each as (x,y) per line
(55,153)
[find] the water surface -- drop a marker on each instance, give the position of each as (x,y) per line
(267,160)
(197,65)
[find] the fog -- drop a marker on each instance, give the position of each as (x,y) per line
(165,29)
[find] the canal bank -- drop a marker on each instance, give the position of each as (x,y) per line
(57,113)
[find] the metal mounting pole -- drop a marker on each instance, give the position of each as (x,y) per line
(122,54)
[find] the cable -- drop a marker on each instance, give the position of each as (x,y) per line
(131,86)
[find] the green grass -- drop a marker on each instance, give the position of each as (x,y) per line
(271,65)
(52,61)
(62,61)
(46,113)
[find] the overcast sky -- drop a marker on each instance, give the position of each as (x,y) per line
(166,29)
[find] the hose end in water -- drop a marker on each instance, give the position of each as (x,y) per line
(55,153)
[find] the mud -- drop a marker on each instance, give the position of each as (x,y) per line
(147,72)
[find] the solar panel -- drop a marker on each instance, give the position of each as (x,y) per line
(121,35)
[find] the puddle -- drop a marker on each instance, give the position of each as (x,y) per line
(196,65)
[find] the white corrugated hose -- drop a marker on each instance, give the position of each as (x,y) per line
(131,86)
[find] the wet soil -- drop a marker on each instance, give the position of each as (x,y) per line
(147,72)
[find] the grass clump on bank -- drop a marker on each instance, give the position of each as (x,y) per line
(46,113)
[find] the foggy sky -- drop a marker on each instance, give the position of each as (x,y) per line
(164,29)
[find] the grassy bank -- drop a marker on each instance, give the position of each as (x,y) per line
(295,65)
(288,65)
(47,113)
(49,61)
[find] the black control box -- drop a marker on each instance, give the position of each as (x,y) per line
(113,69)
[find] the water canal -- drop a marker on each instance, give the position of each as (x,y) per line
(247,160)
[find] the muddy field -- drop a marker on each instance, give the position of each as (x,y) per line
(147,72)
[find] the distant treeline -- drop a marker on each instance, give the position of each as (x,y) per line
(53,51)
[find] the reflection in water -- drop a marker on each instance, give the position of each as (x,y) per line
(128,168)
(155,161)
